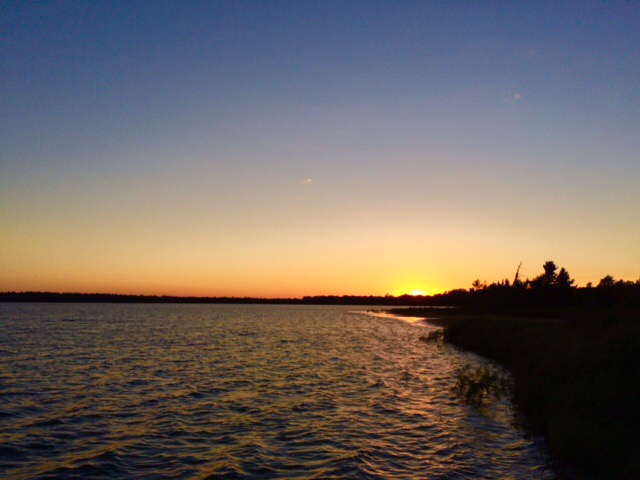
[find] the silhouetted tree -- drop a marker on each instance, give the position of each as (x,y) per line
(563,288)
(551,289)
(606,282)
(563,280)
(549,276)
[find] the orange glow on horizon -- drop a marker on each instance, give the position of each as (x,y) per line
(417,293)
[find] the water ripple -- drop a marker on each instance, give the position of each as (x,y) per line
(212,391)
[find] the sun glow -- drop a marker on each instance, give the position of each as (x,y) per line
(417,293)
(414,291)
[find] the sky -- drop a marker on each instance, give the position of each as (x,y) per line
(308,148)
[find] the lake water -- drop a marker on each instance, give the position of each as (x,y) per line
(240,391)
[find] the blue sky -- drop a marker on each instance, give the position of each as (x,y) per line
(351,147)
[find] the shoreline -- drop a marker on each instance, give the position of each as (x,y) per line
(585,407)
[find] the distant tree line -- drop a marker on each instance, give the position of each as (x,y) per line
(553,288)
(53,297)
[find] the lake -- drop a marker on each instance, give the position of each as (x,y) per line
(241,391)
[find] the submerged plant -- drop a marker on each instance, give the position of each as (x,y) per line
(436,336)
(475,385)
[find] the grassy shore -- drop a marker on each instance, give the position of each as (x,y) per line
(577,382)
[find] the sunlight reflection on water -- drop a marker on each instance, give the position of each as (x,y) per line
(221,391)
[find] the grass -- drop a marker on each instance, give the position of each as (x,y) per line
(477,384)
(577,382)
(436,337)
(578,385)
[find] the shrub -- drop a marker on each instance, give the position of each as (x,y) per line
(477,385)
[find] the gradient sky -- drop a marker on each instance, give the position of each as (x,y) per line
(303,148)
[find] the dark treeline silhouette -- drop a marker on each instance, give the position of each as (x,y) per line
(553,288)
(52,297)
(387,300)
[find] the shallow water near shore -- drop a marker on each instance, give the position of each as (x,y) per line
(241,391)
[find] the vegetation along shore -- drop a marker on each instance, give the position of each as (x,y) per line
(574,355)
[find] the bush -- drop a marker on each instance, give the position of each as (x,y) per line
(578,384)
(477,385)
